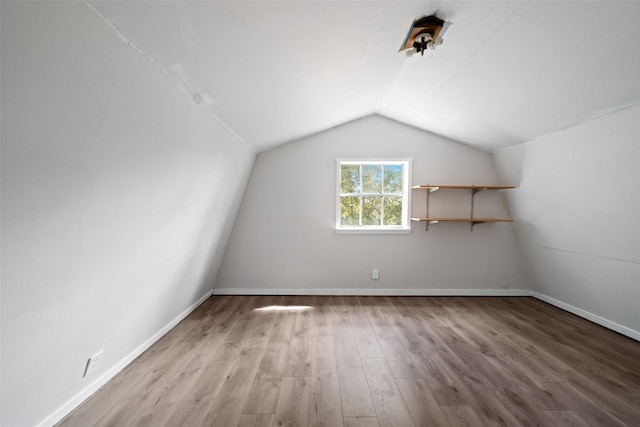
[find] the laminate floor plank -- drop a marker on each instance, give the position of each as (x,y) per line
(361,422)
(360,361)
(400,363)
(325,404)
(303,318)
(298,357)
(128,406)
(227,405)
(276,360)
(414,309)
(503,353)
(354,390)
(338,303)
(349,303)
(563,418)
(365,338)
(603,390)
(415,338)
(283,328)
(203,319)
(549,368)
(510,392)
(224,349)
(423,408)
(193,408)
(444,383)
(462,416)
(254,327)
(418,337)
(263,395)
(591,335)
(507,377)
(570,344)
(293,404)
(588,410)
(256,420)
(160,410)
(102,402)
(177,380)
(221,320)
(420,348)
(391,408)
(437,308)
(322,319)
(474,390)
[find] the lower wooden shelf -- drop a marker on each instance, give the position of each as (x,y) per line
(476,220)
(472,221)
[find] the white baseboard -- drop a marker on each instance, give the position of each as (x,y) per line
(631,333)
(377,292)
(74,402)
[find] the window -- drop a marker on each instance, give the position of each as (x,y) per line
(373,196)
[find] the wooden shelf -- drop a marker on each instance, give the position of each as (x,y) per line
(461,187)
(472,219)
(434,220)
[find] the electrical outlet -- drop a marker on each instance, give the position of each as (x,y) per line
(92,363)
(375,274)
(505,285)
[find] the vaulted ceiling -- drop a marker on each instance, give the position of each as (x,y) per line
(508,71)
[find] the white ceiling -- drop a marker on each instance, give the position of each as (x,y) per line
(508,71)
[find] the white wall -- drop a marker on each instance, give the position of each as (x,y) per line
(284,238)
(118,196)
(578,211)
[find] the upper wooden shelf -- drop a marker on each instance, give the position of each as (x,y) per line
(462,187)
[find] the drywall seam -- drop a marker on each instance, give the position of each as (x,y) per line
(550,248)
(539,138)
(376,292)
(75,401)
(631,333)
(195,97)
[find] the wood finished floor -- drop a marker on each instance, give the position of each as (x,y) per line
(376,361)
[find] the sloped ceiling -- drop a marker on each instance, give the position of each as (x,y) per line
(508,71)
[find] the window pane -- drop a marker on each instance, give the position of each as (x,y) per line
(393,211)
(371,178)
(350,210)
(393,178)
(371,211)
(349,178)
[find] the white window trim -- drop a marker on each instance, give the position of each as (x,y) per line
(405,228)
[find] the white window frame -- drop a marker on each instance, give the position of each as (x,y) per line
(405,228)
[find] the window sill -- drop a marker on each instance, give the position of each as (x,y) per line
(373,230)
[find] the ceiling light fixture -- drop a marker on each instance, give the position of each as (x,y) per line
(425,33)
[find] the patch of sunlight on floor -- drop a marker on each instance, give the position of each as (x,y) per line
(283,308)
